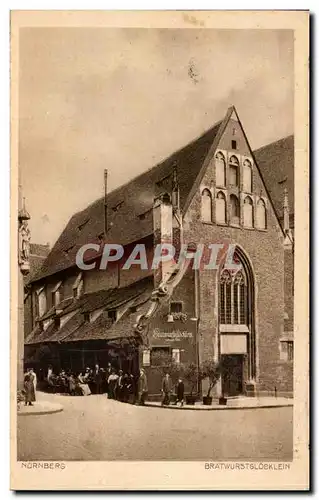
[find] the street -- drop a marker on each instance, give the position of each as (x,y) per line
(95,428)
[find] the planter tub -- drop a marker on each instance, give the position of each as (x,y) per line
(207,400)
(190,400)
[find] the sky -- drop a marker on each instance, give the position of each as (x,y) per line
(124,99)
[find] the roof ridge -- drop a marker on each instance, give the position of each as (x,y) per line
(274,142)
(158,164)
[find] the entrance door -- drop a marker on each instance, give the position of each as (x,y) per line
(232,374)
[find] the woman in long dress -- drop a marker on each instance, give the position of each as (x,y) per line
(83,385)
(29,388)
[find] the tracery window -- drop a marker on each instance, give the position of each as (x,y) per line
(233,298)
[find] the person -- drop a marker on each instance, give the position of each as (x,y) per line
(72,385)
(97,376)
(29,388)
(180,392)
(83,384)
(166,389)
(131,388)
(107,373)
(125,392)
(142,387)
(112,385)
(50,377)
(119,388)
(35,383)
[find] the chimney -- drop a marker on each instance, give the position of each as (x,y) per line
(177,217)
(163,232)
(105,203)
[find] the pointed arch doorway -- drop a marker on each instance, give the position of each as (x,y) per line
(237,344)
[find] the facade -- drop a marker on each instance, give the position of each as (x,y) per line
(210,192)
(37,256)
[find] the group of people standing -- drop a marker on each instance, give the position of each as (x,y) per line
(119,385)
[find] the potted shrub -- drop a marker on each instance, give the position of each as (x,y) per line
(211,370)
(191,375)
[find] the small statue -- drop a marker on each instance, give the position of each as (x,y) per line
(24,246)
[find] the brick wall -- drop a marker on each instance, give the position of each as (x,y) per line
(266,254)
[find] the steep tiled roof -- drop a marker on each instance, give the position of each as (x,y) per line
(38,254)
(130,215)
(276,164)
(78,329)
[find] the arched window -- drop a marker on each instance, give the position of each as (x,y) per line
(220,208)
(236,311)
(206,205)
(225,305)
(247,177)
(233,299)
(234,210)
(248,212)
(261,216)
(233,171)
(220,169)
(239,297)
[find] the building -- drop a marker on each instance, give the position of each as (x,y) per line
(38,254)
(212,191)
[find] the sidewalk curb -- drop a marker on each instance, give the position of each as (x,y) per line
(219,407)
(46,410)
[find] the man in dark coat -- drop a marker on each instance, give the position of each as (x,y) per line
(142,387)
(97,377)
(166,389)
(180,392)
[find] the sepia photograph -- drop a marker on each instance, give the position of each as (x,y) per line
(155,278)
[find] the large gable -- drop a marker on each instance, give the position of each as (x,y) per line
(130,206)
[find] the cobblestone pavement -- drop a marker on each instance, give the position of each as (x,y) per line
(95,428)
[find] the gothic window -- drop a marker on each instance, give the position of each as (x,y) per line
(234,210)
(261,218)
(206,206)
(233,171)
(236,306)
(221,208)
(220,170)
(225,305)
(248,212)
(247,177)
(232,299)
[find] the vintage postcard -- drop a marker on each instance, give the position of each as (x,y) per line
(159,237)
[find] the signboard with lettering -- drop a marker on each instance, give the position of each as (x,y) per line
(173,335)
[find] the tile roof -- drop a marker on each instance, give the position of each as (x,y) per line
(129,206)
(276,164)
(78,329)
